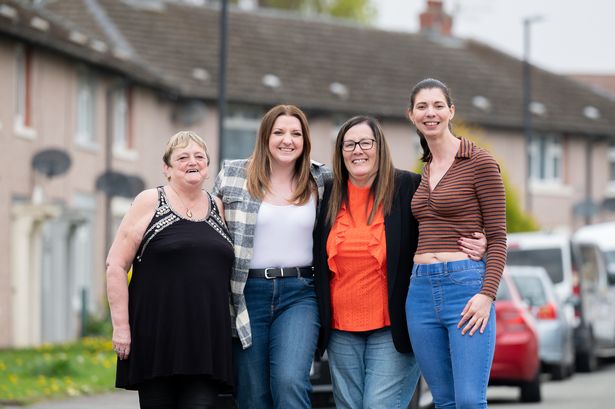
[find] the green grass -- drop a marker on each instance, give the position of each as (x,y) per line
(54,371)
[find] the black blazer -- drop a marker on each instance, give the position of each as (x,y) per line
(401,230)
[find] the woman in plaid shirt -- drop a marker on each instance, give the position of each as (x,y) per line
(270,205)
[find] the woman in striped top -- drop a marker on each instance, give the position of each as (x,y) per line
(449,308)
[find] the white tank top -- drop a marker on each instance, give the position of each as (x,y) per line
(283,235)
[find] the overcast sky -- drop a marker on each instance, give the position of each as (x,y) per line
(575,36)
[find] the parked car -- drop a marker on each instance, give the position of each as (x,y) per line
(516,361)
(563,261)
(555,332)
(596,247)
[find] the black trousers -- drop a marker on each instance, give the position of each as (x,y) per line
(179,392)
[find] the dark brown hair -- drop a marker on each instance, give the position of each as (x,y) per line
(382,188)
(429,83)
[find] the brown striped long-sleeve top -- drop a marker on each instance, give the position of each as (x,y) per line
(469,198)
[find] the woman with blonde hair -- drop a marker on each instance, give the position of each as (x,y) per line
(270,202)
(171,325)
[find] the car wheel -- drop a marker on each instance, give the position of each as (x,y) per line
(569,370)
(530,391)
(587,361)
(558,371)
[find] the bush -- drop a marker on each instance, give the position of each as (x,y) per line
(98,327)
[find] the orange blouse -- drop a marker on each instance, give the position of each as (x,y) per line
(357,259)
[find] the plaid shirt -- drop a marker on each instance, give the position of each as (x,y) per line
(240,212)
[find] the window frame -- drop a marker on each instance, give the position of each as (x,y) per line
(240,118)
(121,123)
(23,126)
(85,127)
(546,160)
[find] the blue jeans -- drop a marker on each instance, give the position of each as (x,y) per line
(456,367)
(368,372)
(274,372)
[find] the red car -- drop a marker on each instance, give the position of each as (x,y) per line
(516,361)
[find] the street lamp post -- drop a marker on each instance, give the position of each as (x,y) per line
(222,74)
(527,100)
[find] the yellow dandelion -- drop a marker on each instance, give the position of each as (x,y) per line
(72,391)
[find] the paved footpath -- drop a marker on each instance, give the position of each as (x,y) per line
(114,400)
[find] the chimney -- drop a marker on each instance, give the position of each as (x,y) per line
(434,19)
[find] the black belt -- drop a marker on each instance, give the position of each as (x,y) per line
(279,272)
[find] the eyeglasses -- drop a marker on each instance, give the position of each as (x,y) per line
(364,144)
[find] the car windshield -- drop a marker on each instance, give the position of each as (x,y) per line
(550,259)
(531,289)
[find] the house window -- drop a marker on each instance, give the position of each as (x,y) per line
(546,159)
(240,129)
(122,137)
(611,156)
(86,109)
(23,92)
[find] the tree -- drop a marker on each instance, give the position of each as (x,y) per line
(358,10)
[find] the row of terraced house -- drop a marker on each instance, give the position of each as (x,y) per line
(92,89)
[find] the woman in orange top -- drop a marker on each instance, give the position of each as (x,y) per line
(364,242)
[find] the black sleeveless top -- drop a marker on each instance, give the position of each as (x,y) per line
(179,299)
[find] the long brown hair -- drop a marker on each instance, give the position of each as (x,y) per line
(259,166)
(429,83)
(382,189)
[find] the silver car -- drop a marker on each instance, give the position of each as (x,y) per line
(555,332)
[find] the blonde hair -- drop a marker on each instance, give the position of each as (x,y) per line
(180,140)
(382,189)
(259,167)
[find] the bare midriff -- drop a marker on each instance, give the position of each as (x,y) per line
(439,257)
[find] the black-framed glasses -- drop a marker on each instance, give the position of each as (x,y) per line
(364,144)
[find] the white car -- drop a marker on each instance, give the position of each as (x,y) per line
(574,271)
(596,243)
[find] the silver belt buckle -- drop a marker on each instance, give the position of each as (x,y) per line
(267,276)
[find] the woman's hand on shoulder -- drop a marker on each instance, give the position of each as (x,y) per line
(475,247)
(475,315)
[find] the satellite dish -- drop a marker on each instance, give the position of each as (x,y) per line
(608,204)
(118,184)
(51,162)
